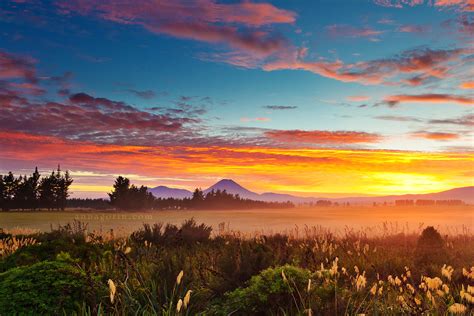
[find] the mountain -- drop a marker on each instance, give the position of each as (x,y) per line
(166,192)
(232,187)
(465,194)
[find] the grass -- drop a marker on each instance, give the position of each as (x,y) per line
(188,269)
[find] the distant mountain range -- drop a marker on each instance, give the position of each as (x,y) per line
(465,194)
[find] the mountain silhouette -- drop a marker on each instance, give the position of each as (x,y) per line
(465,194)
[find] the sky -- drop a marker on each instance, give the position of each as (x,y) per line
(327,97)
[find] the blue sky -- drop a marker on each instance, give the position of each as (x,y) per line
(354,75)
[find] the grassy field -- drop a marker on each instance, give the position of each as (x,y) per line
(374,220)
(191,269)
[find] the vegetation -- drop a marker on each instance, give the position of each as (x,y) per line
(34,192)
(188,270)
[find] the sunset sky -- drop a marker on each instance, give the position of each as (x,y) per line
(316,97)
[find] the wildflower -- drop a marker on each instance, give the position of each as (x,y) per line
(400,299)
(417,301)
(411,288)
(179,305)
(391,280)
(447,271)
(179,277)
(187,298)
(112,290)
(127,250)
(457,308)
(380,290)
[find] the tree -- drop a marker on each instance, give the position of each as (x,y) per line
(8,191)
(119,195)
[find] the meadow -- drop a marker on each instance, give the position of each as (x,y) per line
(285,265)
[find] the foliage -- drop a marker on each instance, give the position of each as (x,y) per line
(34,192)
(161,269)
(46,288)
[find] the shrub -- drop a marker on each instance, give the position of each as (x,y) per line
(430,247)
(270,292)
(48,287)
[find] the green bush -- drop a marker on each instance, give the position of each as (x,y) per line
(46,288)
(269,293)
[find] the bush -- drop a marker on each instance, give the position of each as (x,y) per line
(430,247)
(269,293)
(48,287)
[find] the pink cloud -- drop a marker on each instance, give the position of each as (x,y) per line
(16,67)
(256,119)
(358,98)
(323,137)
(343,30)
(424,63)
(435,135)
(428,98)
(201,20)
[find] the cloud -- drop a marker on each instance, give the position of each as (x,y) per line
(145,94)
(424,63)
(358,98)
(86,117)
(467,85)
(323,137)
(237,25)
(17,67)
(410,28)
(466,120)
(428,98)
(463,5)
(280,107)
(440,136)
(256,119)
(344,30)
(398,118)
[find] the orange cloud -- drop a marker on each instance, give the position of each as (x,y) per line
(259,168)
(467,85)
(323,137)
(435,135)
(358,98)
(428,98)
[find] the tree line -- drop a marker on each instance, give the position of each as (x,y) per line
(51,192)
(35,192)
(127,196)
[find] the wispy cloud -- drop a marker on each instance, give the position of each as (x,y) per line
(280,107)
(440,136)
(428,98)
(323,137)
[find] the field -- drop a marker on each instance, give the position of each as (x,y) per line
(373,220)
(323,262)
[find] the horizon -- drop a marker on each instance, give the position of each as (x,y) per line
(358,98)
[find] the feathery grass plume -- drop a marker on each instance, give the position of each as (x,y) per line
(187,298)
(361,281)
(283,276)
(308,289)
(433,283)
(466,296)
(112,290)
(373,289)
(179,305)
(447,271)
(179,277)
(468,274)
(457,308)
